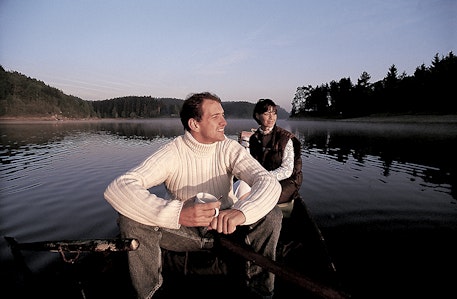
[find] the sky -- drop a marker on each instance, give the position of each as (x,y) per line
(239,50)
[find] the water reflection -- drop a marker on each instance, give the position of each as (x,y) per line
(15,135)
(431,145)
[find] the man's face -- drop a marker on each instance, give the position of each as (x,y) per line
(211,127)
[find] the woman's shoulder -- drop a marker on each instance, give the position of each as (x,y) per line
(284,132)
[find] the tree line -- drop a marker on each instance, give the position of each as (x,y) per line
(137,107)
(430,90)
(21,96)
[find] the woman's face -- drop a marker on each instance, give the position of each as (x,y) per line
(268,118)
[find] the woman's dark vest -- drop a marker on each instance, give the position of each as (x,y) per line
(270,155)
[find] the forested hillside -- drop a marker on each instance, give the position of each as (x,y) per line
(21,96)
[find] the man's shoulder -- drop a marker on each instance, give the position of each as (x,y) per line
(230,145)
(229,141)
(173,144)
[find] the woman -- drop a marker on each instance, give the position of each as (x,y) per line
(277,149)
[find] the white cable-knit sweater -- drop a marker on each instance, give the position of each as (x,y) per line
(188,167)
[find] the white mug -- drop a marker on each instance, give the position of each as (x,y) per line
(203,197)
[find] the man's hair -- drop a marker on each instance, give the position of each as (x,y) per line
(262,106)
(192,107)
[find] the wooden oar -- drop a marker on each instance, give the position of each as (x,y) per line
(283,271)
(72,246)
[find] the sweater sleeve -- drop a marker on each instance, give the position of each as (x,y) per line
(265,188)
(129,194)
(287,164)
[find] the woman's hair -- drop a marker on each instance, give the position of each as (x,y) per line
(262,106)
(192,107)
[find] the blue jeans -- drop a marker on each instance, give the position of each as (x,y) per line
(145,263)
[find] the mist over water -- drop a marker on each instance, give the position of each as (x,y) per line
(383,194)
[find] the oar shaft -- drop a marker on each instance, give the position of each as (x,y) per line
(93,245)
(288,274)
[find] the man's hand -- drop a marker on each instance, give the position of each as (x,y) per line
(198,214)
(227,221)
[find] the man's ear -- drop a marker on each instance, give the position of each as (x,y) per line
(193,124)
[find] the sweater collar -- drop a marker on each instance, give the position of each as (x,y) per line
(197,147)
(267,131)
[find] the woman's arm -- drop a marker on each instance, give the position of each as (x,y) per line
(287,165)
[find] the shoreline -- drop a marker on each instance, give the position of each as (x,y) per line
(403,118)
(426,118)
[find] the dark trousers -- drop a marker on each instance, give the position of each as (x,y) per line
(145,263)
(289,191)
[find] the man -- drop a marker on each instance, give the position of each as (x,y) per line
(203,159)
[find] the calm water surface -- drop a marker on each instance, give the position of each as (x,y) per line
(383,194)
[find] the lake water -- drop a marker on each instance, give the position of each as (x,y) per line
(383,194)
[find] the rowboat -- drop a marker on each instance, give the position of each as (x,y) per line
(98,268)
